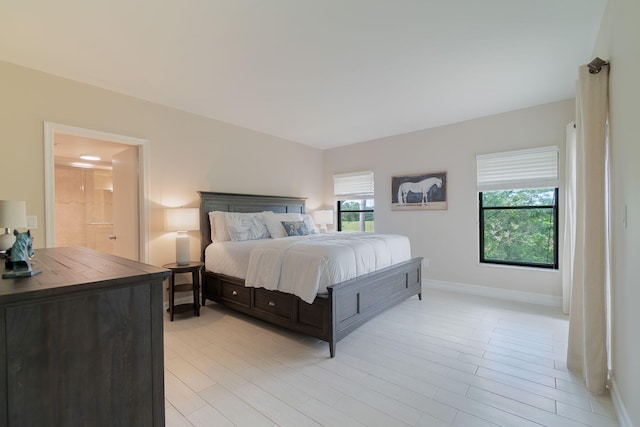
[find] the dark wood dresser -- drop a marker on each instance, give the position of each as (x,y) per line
(81,344)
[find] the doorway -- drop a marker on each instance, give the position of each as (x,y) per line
(95,191)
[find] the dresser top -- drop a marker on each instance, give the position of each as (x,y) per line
(68,270)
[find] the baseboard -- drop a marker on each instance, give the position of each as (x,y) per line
(486,291)
(618,405)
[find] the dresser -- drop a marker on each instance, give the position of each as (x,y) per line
(81,344)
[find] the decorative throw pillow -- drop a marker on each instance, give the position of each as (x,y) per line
(274,222)
(295,228)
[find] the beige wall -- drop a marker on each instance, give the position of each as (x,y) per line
(449,238)
(619,42)
(187,153)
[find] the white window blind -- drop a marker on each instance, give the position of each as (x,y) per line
(353,185)
(534,168)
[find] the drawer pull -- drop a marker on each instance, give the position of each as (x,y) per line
(234,293)
(272,304)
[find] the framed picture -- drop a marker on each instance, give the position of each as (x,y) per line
(425,191)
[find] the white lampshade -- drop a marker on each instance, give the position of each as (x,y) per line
(182,220)
(13,214)
(323,218)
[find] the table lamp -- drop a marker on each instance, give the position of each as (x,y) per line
(323,218)
(13,214)
(182,220)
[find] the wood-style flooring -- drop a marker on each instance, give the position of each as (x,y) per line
(448,360)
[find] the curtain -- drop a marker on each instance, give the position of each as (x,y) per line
(568,249)
(587,352)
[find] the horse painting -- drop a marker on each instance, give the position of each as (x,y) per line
(418,187)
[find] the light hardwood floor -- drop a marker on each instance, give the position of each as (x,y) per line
(448,360)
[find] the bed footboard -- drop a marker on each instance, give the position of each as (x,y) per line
(330,318)
(358,300)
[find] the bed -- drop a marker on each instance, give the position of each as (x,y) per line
(329,316)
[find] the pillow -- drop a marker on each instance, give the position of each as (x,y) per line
(308,221)
(295,228)
(246,226)
(212,226)
(274,223)
(218,226)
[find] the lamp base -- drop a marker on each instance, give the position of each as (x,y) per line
(6,241)
(182,248)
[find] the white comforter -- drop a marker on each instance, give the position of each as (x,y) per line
(306,265)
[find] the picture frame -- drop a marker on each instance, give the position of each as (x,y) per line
(423,191)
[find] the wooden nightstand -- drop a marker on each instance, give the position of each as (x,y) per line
(194,268)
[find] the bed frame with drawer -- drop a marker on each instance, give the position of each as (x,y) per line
(331,317)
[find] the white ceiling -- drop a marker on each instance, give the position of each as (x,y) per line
(320,72)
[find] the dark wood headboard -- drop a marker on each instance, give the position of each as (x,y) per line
(229,202)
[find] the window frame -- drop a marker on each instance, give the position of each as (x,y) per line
(361,211)
(353,186)
(554,207)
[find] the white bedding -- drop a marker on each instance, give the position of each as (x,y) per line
(306,265)
(230,258)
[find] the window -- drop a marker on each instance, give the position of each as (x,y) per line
(355,215)
(518,207)
(355,203)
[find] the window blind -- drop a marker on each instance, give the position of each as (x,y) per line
(354,185)
(533,168)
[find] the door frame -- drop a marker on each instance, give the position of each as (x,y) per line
(50,129)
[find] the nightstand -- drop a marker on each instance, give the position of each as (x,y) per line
(194,268)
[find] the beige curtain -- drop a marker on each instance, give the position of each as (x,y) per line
(569,247)
(587,351)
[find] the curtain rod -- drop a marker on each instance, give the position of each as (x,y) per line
(596,65)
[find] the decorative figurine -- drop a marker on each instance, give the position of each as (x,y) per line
(18,257)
